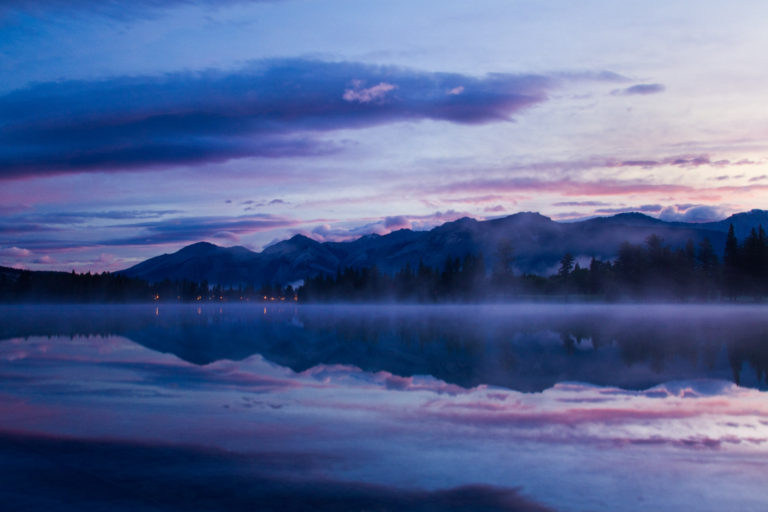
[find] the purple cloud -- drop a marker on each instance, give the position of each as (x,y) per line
(83,216)
(692,213)
(115,9)
(328,233)
(581,203)
(642,89)
(192,229)
(646,208)
(398,222)
(272,108)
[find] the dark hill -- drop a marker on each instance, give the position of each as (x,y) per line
(537,243)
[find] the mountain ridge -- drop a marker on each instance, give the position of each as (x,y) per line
(537,243)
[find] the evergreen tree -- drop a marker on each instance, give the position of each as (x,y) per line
(731,260)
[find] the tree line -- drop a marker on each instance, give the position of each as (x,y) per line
(21,286)
(650,270)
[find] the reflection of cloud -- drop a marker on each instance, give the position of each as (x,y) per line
(693,414)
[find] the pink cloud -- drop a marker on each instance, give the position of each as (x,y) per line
(565,187)
(15,252)
(488,198)
(362,95)
(596,188)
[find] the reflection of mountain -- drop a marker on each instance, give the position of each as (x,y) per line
(528,348)
(537,242)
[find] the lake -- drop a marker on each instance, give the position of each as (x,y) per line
(294,407)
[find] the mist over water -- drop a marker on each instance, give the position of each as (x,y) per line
(505,407)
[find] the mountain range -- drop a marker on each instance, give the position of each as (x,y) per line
(536,243)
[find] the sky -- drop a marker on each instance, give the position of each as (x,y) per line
(131,129)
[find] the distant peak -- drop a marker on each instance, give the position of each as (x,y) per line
(199,246)
(300,238)
(297,241)
(530,215)
(522,217)
(633,215)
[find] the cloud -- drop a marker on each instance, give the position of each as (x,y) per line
(9,226)
(680,161)
(78,217)
(642,89)
(398,222)
(15,252)
(195,229)
(646,208)
(566,187)
(377,92)
(172,230)
(328,233)
(581,203)
(115,9)
(563,167)
(488,198)
(693,213)
(270,108)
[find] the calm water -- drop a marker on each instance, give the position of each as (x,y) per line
(525,408)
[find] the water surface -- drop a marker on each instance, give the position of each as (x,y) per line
(522,407)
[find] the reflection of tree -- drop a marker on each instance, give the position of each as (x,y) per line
(752,349)
(527,350)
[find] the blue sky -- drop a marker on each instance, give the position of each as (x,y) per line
(129,129)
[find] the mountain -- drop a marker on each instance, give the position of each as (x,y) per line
(536,242)
(198,262)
